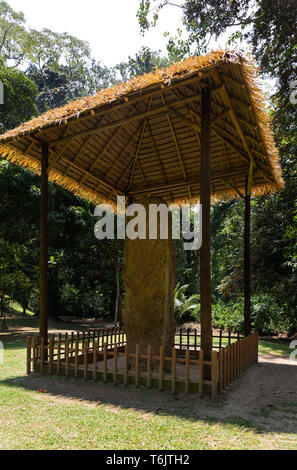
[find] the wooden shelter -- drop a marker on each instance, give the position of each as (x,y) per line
(197,131)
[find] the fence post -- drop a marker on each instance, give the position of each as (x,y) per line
(187,371)
(137,366)
(76,356)
(126,366)
(115,364)
(149,366)
(41,354)
(201,372)
(28,355)
(85,349)
(67,357)
(173,370)
(220,340)
(95,346)
(34,353)
(59,354)
(50,355)
(161,368)
(214,375)
(221,380)
(105,362)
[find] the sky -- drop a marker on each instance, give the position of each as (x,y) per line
(110,26)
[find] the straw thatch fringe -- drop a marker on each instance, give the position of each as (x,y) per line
(75,109)
(117,93)
(34,165)
(251,78)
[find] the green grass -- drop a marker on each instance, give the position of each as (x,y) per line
(78,415)
(277,349)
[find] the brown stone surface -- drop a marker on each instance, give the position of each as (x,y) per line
(150,280)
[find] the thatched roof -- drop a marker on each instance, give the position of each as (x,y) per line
(143,137)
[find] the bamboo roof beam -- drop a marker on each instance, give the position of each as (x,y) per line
(136,155)
(110,141)
(92,176)
(231,186)
(140,116)
(227,101)
(131,142)
(219,176)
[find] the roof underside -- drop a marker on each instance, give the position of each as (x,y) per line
(143,137)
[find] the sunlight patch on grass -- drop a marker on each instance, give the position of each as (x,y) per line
(275,349)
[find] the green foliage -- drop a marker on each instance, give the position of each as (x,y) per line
(145,61)
(228,316)
(14,39)
(269,29)
(182,304)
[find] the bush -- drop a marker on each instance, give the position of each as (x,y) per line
(266,316)
(228,316)
(81,303)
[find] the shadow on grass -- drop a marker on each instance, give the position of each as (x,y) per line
(278,417)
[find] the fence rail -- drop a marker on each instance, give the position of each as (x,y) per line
(103,355)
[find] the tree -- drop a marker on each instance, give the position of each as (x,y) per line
(19,98)
(268,30)
(14,38)
(145,61)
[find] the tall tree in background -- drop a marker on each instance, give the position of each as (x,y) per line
(268,30)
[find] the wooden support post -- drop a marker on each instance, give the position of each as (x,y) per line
(247,261)
(43,319)
(205,270)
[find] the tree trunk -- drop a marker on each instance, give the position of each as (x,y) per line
(149,278)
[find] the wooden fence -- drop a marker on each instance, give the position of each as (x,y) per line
(190,339)
(103,355)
